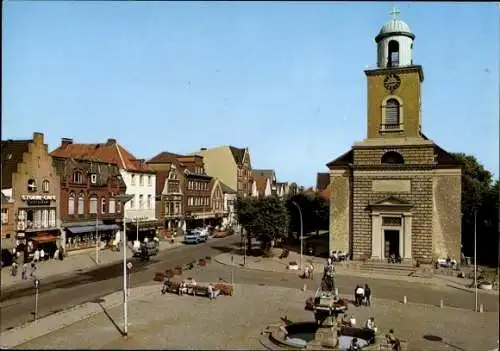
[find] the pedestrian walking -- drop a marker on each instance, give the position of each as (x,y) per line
(42,254)
(14,269)
(368,294)
(36,256)
(24,272)
(33,269)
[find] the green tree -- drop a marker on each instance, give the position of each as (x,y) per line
(480,196)
(315,212)
(263,218)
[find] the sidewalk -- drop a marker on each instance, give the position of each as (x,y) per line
(275,264)
(75,263)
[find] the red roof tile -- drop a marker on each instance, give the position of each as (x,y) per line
(110,152)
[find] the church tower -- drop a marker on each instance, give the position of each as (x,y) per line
(394,86)
(396,192)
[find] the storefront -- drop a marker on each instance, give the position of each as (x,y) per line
(36,226)
(85,236)
(139,229)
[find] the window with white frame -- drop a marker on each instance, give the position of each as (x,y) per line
(150,181)
(141,180)
(118,206)
(132,179)
(150,201)
(93,204)
(45,186)
(52,218)
(141,202)
(132,203)
(81,204)
(77,177)
(71,204)
(32,186)
(112,205)
(93,178)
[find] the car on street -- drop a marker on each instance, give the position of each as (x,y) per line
(195,236)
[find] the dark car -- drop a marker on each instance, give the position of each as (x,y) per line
(6,258)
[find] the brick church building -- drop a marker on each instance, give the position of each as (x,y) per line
(395,192)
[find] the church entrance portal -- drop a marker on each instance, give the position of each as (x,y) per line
(391,240)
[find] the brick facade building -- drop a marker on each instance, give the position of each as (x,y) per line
(88,208)
(31,184)
(396,192)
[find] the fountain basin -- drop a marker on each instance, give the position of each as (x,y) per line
(299,335)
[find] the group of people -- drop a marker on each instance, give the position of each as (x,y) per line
(38,256)
(188,286)
(24,271)
(338,256)
(362,295)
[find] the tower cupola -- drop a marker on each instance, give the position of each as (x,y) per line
(395,43)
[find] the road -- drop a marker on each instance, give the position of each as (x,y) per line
(57,294)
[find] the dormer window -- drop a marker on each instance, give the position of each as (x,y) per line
(93,178)
(32,186)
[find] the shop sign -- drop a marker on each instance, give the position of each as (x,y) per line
(36,200)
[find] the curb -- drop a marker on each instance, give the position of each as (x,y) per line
(444,284)
(33,330)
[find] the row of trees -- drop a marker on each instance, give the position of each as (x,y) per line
(480,196)
(271,218)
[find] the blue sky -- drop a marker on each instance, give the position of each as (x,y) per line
(284,79)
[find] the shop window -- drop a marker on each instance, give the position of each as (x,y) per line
(32,186)
(45,186)
(71,204)
(81,204)
(93,205)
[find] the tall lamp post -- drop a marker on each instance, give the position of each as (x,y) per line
(124,198)
(301,233)
(475,260)
(97,237)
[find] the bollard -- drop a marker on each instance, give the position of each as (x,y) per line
(305,287)
(481,308)
(441,303)
(404,300)
(336,291)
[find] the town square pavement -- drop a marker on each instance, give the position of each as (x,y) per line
(235,322)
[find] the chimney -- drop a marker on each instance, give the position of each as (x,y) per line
(203,149)
(38,138)
(66,141)
(111,142)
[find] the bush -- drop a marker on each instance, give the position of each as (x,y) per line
(178,270)
(208,258)
(169,273)
(159,277)
(202,262)
(225,289)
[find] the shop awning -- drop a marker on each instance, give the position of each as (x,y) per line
(44,238)
(88,228)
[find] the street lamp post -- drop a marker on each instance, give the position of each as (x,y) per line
(301,233)
(137,228)
(124,198)
(475,261)
(97,237)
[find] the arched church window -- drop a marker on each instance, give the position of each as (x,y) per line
(392,114)
(393,59)
(392,158)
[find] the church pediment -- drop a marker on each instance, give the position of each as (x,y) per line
(391,202)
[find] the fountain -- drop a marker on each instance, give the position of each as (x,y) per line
(324,332)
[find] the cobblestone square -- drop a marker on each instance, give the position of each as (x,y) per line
(235,322)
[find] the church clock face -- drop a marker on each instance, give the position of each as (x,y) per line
(392,82)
